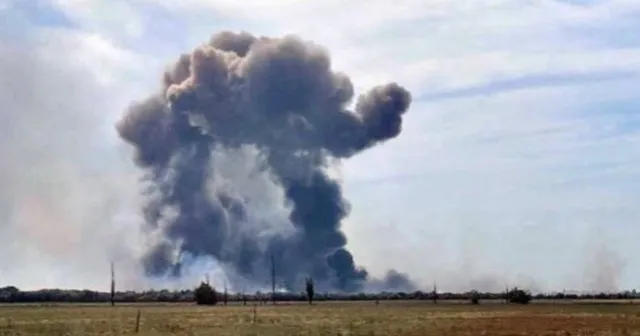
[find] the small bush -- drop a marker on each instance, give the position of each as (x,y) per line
(475,297)
(206,295)
(310,288)
(519,296)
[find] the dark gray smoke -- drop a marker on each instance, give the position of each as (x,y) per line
(280,97)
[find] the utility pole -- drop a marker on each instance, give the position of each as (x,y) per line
(273,279)
(113,285)
(435,294)
(244,296)
(225,297)
(506,294)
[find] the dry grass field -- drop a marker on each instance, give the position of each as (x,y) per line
(324,318)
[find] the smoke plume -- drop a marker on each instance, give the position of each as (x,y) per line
(236,147)
(603,270)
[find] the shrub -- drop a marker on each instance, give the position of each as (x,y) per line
(205,294)
(310,288)
(475,297)
(519,296)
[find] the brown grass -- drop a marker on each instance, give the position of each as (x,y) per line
(340,318)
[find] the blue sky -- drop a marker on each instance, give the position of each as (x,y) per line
(517,162)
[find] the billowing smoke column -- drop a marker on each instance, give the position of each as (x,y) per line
(280,97)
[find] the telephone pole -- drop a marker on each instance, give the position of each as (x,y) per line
(506,295)
(435,294)
(113,285)
(273,279)
(225,297)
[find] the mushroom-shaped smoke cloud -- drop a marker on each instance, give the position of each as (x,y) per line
(272,104)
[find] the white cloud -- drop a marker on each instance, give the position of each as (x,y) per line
(109,64)
(432,44)
(116,17)
(68,203)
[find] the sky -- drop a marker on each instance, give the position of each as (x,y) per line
(515,165)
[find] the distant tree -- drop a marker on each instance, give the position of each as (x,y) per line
(205,294)
(520,296)
(9,294)
(258,297)
(475,297)
(310,290)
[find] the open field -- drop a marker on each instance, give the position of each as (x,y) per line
(325,318)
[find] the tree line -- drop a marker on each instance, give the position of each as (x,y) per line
(11,294)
